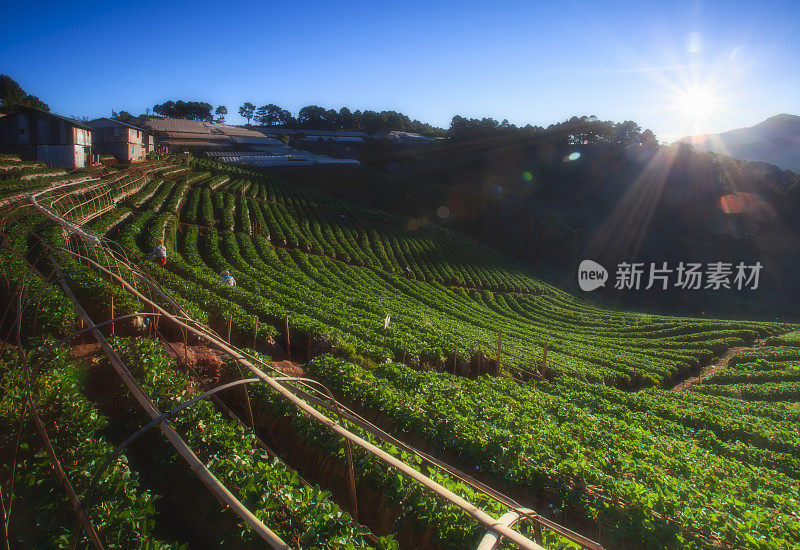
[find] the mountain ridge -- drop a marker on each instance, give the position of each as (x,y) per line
(775,140)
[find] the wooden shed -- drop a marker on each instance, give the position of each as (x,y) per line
(126,142)
(39,135)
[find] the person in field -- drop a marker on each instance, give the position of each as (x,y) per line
(159,253)
(227,278)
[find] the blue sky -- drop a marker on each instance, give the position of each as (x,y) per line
(537,62)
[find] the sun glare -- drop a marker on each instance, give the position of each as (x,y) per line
(697,104)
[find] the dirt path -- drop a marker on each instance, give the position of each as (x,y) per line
(289,368)
(207,361)
(716,365)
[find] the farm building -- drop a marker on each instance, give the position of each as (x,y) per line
(126,142)
(53,139)
(149,142)
(314,135)
(193,135)
(334,136)
(235,145)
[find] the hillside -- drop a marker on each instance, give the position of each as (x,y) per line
(776,141)
(420,385)
(522,195)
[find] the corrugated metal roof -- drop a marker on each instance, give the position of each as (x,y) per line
(68,120)
(194,143)
(168,125)
(237,131)
(97,123)
(256,140)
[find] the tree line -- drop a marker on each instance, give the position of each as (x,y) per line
(311,117)
(584,130)
(314,117)
(12,95)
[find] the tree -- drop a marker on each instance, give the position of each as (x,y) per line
(247,110)
(166,109)
(272,115)
(191,110)
(124,116)
(627,133)
(221,111)
(472,128)
(345,120)
(648,139)
(312,116)
(12,95)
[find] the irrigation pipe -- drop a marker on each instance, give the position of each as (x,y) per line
(479,515)
(205,475)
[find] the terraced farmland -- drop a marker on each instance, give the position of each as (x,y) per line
(482,371)
(768,373)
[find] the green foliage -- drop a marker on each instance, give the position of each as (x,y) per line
(123,513)
(768,373)
(656,468)
(618,457)
(12,95)
(271,490)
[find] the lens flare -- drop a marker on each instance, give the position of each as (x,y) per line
(697,103)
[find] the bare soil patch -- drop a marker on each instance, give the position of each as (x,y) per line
(715,366)
(289,368)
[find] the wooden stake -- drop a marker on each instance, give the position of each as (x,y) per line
(185,346)
(112,316)
(255,333)
(230,322)
(544,362)
(288,342)
(480,353)
(455,358)
(308,345)
(404,351)
(249,408)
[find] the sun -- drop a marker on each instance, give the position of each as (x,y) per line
(697,104)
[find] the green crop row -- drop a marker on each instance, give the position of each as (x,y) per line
(554,445)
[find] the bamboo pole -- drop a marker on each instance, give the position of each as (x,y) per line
(208,479)
(477,513)
(112,315)
(230,322)
(255,333)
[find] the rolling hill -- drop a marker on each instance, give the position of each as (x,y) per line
(440,360)
(775,140)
